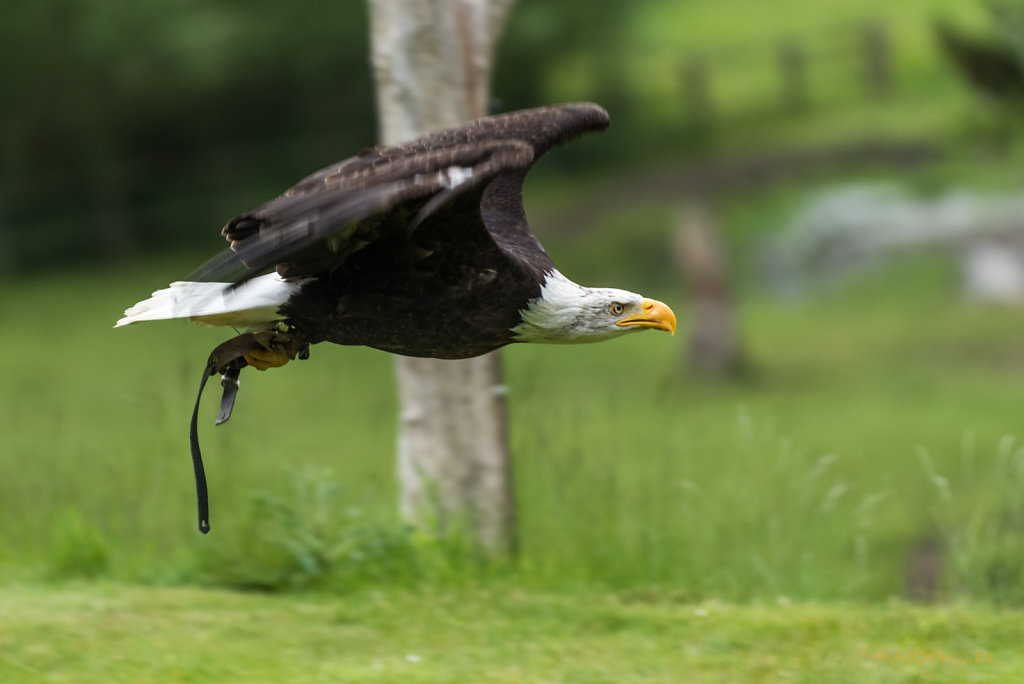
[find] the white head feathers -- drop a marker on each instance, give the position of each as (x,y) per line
(567,313)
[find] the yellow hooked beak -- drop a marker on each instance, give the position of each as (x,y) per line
(655,315)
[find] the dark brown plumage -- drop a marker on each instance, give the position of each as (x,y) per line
(420,249)
(411,245)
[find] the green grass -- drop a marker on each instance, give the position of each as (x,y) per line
(874,418)
(113,633)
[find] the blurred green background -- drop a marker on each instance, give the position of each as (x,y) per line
(866,445)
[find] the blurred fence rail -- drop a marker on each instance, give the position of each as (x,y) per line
(787,76)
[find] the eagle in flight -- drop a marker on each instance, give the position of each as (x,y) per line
(420,248)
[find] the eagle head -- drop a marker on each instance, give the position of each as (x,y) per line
(567,313)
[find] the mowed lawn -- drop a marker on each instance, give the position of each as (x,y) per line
(115,633)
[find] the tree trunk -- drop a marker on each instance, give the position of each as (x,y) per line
(432,68)
(714,344)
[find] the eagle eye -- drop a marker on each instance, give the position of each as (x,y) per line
(616,308)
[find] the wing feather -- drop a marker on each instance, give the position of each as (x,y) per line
(328,215)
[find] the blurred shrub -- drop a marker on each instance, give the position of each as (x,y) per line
(78,549)
(310,540)
(984,539)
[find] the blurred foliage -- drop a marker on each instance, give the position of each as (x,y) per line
(123,123)
(991,62)
(543,38)
(311,539)
(1008,24)
(118,109)
(97,80)
(131,128)
(79,549)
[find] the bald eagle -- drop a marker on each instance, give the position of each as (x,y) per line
(420,249)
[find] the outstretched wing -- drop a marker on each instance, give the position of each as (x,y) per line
(332,213)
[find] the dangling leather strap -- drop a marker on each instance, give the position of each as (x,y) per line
(202,498)
(228,358)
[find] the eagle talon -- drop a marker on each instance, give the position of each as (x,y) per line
(262,359)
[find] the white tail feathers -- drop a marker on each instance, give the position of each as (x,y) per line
(254,302)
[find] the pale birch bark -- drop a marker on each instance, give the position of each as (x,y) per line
(432,67)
